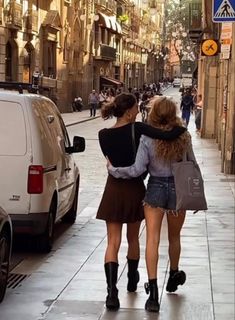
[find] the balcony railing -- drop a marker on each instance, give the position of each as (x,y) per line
(106,52)
(31,20)
(13,15)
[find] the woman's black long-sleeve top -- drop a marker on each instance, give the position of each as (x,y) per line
(116,143)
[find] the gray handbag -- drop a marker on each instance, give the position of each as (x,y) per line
(189,185)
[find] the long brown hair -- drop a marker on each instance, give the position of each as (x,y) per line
(163,115)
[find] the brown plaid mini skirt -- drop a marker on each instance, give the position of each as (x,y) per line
(122,200)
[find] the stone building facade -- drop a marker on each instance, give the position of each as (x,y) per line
(217,85)
(73,46)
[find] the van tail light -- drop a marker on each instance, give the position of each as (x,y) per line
(35,179)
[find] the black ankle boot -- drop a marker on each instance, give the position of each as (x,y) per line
(152,304)
(133,275)
(176,278)
(111,271)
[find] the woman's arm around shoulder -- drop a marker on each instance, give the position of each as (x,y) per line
(156,133)
(139,167)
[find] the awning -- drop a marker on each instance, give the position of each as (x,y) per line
(104,20)
(119,28)
(111,81)
(109,22)
(113,23)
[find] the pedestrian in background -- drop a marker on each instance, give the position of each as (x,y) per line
(93,101)
(122,199)
(198,112)
(186,106)
(157,156)
(102,97)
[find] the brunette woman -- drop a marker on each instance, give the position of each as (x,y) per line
(160,198)
(122,199)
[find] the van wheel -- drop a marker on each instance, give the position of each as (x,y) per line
(71,215)
(45,240)
(5,248)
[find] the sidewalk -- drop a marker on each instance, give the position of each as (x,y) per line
(69,283)
(207,258)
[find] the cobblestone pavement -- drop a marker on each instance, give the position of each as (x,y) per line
(69,283)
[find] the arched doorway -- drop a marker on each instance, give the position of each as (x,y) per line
(28,62)
(11,61)
(8,62)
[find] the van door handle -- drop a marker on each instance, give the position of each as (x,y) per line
(67,169)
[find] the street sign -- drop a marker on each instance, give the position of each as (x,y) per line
(223,10)
(209,47)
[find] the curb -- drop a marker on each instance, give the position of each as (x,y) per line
(81,121)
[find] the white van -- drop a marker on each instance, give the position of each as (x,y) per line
(39,179)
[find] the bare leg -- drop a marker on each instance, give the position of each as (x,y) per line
(114,236)
(133,240)
(153,218)
(175,224)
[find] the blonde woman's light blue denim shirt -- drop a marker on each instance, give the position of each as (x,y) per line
(147,159)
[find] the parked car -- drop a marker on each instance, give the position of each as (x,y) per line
(5,250)
(176,82)
(39,178)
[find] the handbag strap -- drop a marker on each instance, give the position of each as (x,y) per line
(185,156)
(133,139)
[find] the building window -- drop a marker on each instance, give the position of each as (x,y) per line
(66,50)
(8,64)
(50,63)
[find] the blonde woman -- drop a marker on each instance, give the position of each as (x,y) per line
(122,199)
(157,156)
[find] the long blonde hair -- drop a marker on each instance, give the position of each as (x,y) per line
(163,115)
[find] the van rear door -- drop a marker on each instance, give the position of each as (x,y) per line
(14,158)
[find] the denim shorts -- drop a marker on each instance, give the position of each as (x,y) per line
(161,193)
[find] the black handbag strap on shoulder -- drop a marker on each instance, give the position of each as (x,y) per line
(133,139)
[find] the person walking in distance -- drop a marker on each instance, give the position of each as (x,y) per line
(157,156)
(122,199)
(198,112)
(186,106)
(102,97)
(93,101)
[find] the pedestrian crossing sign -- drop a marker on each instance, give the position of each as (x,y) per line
(223,10)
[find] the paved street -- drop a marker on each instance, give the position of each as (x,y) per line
(69,282)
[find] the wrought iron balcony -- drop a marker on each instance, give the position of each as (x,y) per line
(13,15)
(105,52)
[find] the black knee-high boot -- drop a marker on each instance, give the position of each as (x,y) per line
(133,275)
(152,303)
(111,272)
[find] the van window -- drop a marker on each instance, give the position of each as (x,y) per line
(12,129)
(59,127)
